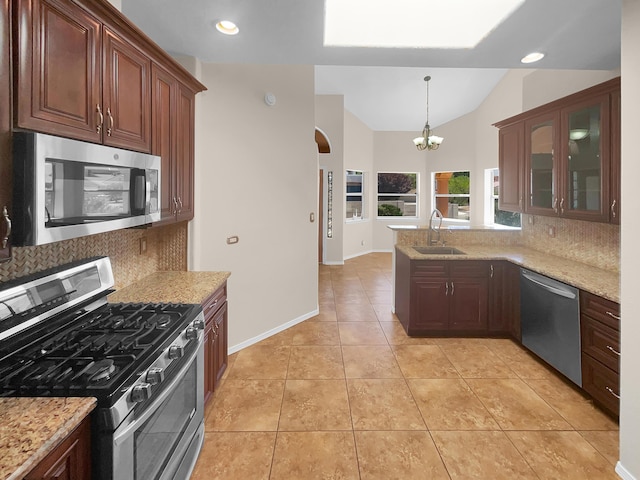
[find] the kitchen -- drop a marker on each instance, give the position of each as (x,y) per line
(218,159)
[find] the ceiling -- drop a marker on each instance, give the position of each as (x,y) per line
(384,87)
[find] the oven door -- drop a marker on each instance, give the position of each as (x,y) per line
(168,433)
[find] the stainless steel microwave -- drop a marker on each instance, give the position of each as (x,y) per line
(67,188)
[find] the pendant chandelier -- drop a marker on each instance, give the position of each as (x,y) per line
(427,141)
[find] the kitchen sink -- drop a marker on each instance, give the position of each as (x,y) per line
(439,251)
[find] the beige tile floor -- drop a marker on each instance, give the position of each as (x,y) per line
(347,395)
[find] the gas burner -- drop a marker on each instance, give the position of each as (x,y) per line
(161,320)
(98,371)
(116,321)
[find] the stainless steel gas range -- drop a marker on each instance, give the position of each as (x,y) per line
(143,362)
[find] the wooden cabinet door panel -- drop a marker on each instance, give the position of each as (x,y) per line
(430,305)
(163,124)
(601,342)
(6,161)
(468,307)
(71,460)
(602,383)
(58,75)
(185,153)
(220,347)
(511,168)
(126,94)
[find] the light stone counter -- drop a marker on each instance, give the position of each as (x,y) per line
(595,280)
(32,427)
(171,287)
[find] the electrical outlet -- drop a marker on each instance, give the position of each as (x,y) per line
(530,219)
(362,243)
(552,231)
(143,245)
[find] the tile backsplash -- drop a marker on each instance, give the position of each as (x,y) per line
(166,250)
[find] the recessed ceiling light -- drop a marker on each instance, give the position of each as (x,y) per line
(532,57)
(227,27)
(413,23)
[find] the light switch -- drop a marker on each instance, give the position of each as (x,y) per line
(312,217)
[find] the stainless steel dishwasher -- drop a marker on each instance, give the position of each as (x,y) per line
(550,314)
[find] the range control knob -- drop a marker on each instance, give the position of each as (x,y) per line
(155,375)
(191,333)
(141,392)
(199,324)
(176,351)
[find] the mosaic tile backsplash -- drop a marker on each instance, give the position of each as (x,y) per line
(166,250)
(596,244)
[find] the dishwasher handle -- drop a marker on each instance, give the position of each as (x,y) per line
(537,279)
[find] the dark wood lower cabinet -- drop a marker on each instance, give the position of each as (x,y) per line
(448,297)
(71,460)
(215,340)
(600,343)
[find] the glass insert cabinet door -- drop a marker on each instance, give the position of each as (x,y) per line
(586,157)
(541,158)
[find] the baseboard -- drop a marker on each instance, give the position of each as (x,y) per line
(273,331)
(623,472)
(358,255)
(333,263)
(384,250)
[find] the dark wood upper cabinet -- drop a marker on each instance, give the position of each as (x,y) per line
(173,120)
(511,168)
(6,162)
(571,156)
(126,95)
(58,76)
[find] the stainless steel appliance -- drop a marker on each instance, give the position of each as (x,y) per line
(66,188)
(550,319)
(143,362)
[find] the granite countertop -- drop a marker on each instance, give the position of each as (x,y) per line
(176,287)
(592,279)
(32,427)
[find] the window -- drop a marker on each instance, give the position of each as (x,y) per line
(501,217)
(355,195)
(397,194)
(451,194)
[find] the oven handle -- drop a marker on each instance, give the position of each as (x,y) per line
(122,436)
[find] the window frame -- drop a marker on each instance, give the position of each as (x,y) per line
(416,195)
(360,194)
(494,200)
(437,195)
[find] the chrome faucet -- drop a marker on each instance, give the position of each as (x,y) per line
(438,214)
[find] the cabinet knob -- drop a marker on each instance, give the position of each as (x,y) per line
(110,127)
(491,274)
(608,389)
(562,206)
(453,288)
(179,205)
(7,221)
(613,209)
(555,204)
(609,347)
(100,119)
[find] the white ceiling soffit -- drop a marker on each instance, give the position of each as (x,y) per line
(574,34)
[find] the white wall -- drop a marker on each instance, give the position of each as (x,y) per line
(255,176)
(329,117)
(629,465)
(358,155)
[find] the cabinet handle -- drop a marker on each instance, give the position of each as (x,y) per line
(100,119)
(453,288)
(213,304)
(7,221)
(110,127)
(612,392)
(613,209)
(491,275)
(555,204)
(613,315)
(562,206)
(520,202)
(175,205)
(446,286)
(613,350)
(180,205)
